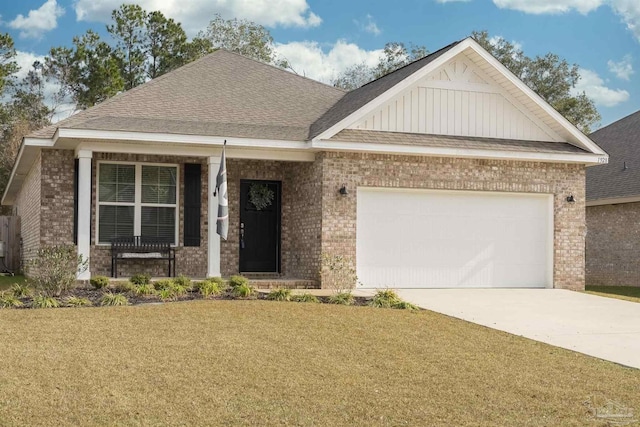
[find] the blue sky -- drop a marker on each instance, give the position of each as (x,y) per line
(322,37)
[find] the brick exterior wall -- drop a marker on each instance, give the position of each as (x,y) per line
(369,170)
(190,261)
(315,218)
(27,207)
(613,245)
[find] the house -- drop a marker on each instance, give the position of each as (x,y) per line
(449,172)
(613,206)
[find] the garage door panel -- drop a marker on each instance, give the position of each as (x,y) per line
(422,238)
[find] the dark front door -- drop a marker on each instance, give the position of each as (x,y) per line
(260,226)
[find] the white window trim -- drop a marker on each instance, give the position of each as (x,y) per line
(137,204)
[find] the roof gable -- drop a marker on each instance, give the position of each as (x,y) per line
(539,121)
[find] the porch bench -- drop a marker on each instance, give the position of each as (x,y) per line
(137,248)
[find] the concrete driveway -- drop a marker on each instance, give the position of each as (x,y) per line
(601,327)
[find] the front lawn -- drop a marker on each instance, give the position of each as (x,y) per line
(278,363)
(629,293)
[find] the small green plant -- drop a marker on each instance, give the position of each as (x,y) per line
(9,300)
(208,288)
(385,299)
(167,294)
(123,287)
(337,273)
(163,284)
(342,298)
(183,281)
(403,305)
(44,301)
(140,279)
(111,299)
(20,290)
(237,281)
(144,290)
(306,297)
(243,291)
(218,281)
(99,282)
(178,289)
(74,301)
(54,268)
(279,295)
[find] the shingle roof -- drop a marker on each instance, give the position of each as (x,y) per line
(621,140)
(221,94)
(427,140)
(357,98)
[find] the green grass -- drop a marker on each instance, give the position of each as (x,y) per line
(628,293)
(7,281)
(262,363)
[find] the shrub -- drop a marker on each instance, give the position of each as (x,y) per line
(306,297)
(178,289)
(140,279)
(208,288)
(337,273)
(99,282)
(403,305)
(341,298)
(54,269)
(20,290)
(243,291)
(385,299)
(167,294)
(123,287)
(9,300)
(237,281)
(279,295)
(183,281)
(218,281)
(144,290)
(44,301)
(163,284)
(74,301)
(111,299)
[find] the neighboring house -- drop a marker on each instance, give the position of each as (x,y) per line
(613,207)
(449,172)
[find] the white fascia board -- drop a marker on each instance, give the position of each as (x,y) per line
(613,201)
(584,140)
(179,139)
(13,173)
(459,152)
(391,93)
(39,142)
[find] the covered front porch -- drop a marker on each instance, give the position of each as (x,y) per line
(165,192)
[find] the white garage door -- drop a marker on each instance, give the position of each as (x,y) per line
(453,239)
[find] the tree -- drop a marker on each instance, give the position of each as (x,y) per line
(549,76)
(8,65)
(244,37)
(128,31)
(394,55)
(89,72)
(165,44)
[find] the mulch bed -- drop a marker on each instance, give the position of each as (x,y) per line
(95,295)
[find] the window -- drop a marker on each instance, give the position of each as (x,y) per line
(137,199)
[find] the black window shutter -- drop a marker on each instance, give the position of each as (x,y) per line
(192,203)
(76,166)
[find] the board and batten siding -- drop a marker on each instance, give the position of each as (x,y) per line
(457,99)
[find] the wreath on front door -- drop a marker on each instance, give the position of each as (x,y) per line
(260,195)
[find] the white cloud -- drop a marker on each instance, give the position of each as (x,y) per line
(196,14)
(369,25)
(629,10)
(593,85)
(309,59)
(38,21)
(623,69)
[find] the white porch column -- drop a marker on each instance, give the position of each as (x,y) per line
(213,269)
(84,209)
